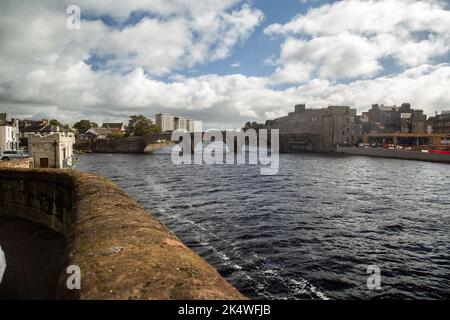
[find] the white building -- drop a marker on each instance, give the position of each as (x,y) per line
(168,122)
(198,126)
(181,123)
(9,134)
(190,125)
(165,122)
(53,150)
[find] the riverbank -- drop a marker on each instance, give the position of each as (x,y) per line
(395,154)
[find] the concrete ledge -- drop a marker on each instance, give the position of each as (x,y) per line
(123,252)
(396,154)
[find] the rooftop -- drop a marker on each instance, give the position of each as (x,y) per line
(113,125)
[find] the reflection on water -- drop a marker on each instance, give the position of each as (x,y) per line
(308,232)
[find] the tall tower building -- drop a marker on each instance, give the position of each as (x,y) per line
(165,122)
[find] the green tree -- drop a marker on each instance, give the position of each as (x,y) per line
(84,125)
(140,125)
(253,125)
(55,123)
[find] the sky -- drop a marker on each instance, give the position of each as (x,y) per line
(223,62)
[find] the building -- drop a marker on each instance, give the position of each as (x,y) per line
(114,127)
(340,126)
(36,129)
(27,122)
(181,123)
(439,123)
(53,150)
(198,126)
(383,118)
(41,129)
(302,120)
(165,122)
(96,134)
(168,123)
(190,125)
(335,125)
(413,141)
(391,119)
(9,134)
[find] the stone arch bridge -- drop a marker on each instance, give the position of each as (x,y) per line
(287,143)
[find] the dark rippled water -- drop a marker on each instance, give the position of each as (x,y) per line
(308,232)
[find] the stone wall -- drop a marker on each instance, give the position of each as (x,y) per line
(300,143)
(288,143)
(122,251)
(397,154)
(121,144)
(18,163)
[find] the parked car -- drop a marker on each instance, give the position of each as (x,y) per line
(13,154)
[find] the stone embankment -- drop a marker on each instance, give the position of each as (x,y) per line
(396,154)
(17,163)
(122,251)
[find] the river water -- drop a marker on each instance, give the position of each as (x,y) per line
(309,232)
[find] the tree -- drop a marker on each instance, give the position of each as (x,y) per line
(84,125)
(253,125)
(55,123)
(140,125)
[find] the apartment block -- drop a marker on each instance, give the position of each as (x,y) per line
(167,123)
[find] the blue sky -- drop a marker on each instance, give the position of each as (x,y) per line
(250,54)
(224,62)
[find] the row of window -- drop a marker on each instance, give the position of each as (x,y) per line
(442,124)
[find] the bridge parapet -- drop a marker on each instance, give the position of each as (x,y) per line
(122,251)
(288,143)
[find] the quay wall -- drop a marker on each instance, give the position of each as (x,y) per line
(395,153)
(122,251)
(113,145)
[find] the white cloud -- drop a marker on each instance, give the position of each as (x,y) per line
(423,86)
(43,68)
(78,92)
(349,39)
(338,56)
(296,72)
(178,34)
(369,17)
